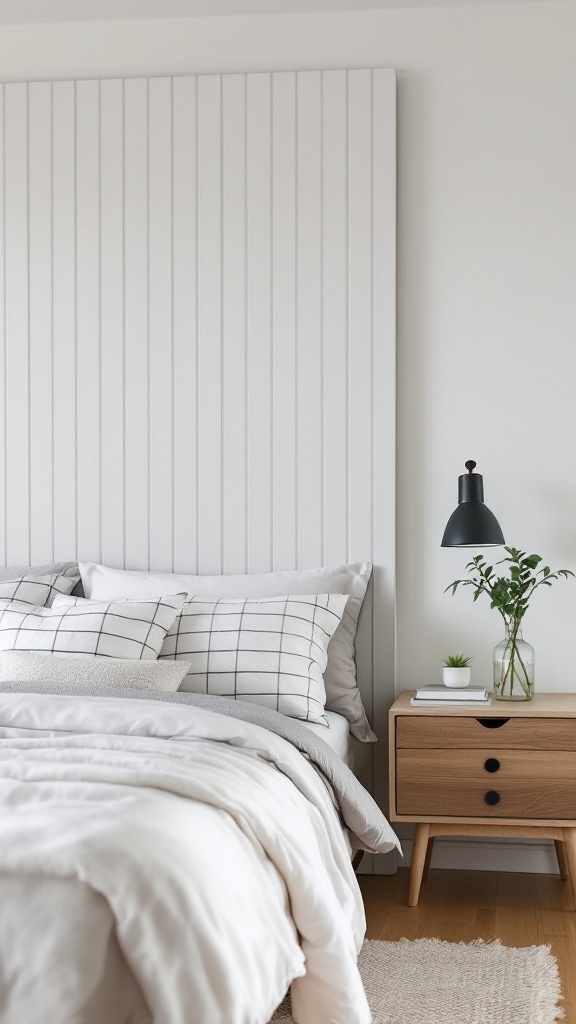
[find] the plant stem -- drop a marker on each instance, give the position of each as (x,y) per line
(511,670)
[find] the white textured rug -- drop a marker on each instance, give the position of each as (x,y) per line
(433,982)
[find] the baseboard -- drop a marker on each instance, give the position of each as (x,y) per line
(537,856)
(379,864)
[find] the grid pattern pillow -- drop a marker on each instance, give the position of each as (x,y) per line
(270,651)
(38,590)
(112,629)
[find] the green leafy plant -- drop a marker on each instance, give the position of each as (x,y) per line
(457,661)
(511,596)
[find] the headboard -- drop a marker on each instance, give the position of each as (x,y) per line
(198,278)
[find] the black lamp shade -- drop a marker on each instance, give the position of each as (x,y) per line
(472,524)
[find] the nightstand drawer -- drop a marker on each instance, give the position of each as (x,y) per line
(499,733)
(486,783)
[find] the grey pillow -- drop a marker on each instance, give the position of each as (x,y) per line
(86,670)
(12,572)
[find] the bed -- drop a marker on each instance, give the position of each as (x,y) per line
(173,857)
(336,735)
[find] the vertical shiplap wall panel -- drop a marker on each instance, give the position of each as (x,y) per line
(310,283)
(260,344)
(360,289)
(197,340)
(88,375)
(335,314)
(185,313)
(136,326)
(209,338)
(40,292)
(234,325)
(64,303)
(112,319)
(161,354)
(284,325)
(17,324)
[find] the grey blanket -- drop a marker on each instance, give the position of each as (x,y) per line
(369,828)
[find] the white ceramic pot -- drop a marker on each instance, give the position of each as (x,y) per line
(456,676)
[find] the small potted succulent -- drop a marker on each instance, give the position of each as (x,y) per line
(456,671)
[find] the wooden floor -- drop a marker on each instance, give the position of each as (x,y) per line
(459,906)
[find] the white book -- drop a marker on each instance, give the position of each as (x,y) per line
(433,692)
(426,703)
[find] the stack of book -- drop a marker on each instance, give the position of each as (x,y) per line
(445,696)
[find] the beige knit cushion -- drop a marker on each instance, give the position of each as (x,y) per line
(86,669)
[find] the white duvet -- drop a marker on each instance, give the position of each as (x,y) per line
(193,862)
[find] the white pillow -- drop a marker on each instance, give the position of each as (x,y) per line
(85,670)
(270,652)
(117,629)
(342,694)
(38,590)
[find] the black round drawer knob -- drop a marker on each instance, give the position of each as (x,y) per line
(492,797)
(492,764)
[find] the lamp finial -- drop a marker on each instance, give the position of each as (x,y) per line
(470,465)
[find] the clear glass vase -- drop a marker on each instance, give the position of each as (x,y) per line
(513,665)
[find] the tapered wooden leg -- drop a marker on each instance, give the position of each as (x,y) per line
(418,858)
(428,858)
(561,855)
(570,851)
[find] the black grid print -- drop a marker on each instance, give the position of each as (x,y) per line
(270,651)
(114,629)
(37,590)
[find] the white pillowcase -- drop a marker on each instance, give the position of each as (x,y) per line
(342,694)
(270,652)
(38,590)
(113,629)
(85,670)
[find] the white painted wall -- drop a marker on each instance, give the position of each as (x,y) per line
(487,270)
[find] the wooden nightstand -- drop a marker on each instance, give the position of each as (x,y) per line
(504,770)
